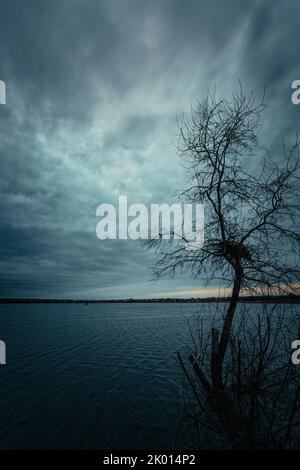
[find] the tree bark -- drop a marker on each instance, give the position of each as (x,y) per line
(215,359)
(230,313)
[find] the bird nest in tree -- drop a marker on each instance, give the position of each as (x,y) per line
(233,250)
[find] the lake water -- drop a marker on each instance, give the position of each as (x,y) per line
(102,376)
(97,376)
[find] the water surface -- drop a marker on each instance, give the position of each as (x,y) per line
(96,376)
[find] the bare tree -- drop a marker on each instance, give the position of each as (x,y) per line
(260,407)
(251,213)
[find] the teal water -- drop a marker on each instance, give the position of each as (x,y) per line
(97,376)
(102,376)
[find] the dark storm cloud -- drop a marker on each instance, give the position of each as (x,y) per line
(93,90)
(48,50)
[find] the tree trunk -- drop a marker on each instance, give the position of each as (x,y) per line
(230,314)
(215,359)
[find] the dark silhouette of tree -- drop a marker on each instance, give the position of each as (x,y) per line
(251,213)
(260,403)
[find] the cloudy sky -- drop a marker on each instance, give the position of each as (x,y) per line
(93,91)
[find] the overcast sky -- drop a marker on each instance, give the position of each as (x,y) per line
(93,91)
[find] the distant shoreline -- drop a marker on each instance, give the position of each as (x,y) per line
(277,299)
